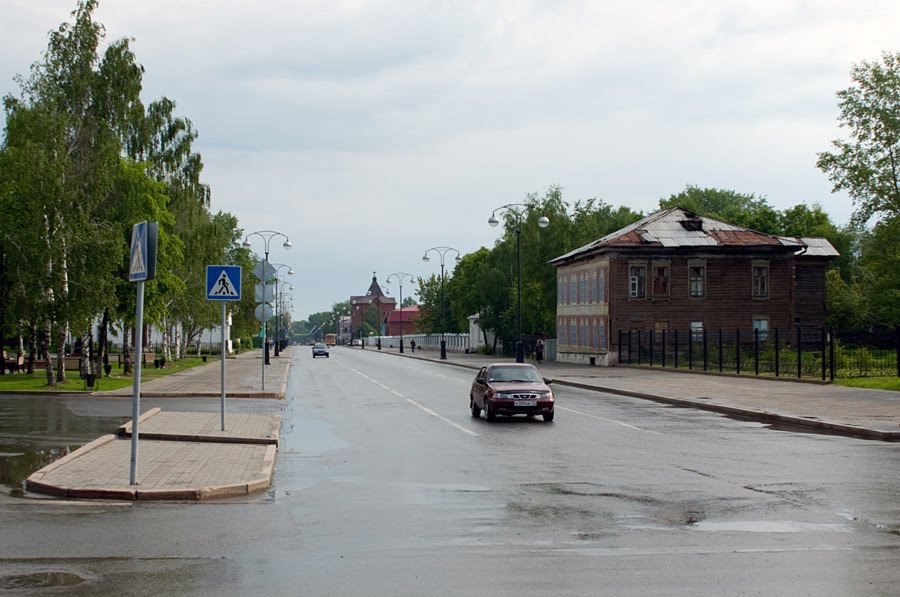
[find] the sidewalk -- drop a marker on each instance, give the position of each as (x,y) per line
(855,412)
(243,379)
(181,455)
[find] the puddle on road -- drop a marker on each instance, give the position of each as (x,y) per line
(310,437)
(36,431)
(47,579)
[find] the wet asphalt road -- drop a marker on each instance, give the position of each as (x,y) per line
(385,485)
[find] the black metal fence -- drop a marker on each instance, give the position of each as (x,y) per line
(822,354)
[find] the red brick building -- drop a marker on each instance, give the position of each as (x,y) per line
(678,270)
(409,317)
(363,306)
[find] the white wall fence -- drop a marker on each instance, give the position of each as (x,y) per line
(455,342)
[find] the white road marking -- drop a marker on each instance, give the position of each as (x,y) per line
(416,404)
(607,420)
(444,419)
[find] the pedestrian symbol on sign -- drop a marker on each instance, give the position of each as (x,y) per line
(224,287)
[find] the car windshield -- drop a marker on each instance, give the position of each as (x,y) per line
(514,374)
(320,345)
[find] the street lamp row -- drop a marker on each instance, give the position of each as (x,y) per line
(518,210)
(442,251)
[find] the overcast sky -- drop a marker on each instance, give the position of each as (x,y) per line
(369,131)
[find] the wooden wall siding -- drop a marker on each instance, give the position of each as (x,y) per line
(810,293)
(728,304)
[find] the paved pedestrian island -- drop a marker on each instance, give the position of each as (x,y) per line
(181,456)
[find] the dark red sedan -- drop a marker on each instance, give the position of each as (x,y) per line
(511,389)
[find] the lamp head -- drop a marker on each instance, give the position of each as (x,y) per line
(493,221)
(426,258)
(543,221)
(287,244)
(246,244)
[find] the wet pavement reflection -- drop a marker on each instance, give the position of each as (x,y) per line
(37,430)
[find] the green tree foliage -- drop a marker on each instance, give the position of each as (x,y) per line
(726,205)
(81,162)
(867,165)
(880,264)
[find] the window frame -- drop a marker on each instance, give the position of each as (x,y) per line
(762,266)
(696,285)
(638,292)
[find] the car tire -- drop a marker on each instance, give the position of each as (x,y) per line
(476,412)
(488,413)
(548,417)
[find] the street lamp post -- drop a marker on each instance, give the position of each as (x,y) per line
(278,310)
(442,251)
(400,276)
(518,210)
(267,236)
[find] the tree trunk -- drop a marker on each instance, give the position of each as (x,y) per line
(61,355)
(102,353)
(43,341)
(126,352)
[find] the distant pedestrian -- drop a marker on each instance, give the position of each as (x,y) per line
(539,351)
(412,345)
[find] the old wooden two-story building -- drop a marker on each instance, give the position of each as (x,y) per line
(675,270)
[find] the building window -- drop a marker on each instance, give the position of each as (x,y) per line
(601,290)
(660,281)
(573,290)
(761,324)
(559,287)
(594,288)
(582,290)
(573,333)
(697,280)
(585,334)
(760,281)
(563,336)
(636,287)
(696,330)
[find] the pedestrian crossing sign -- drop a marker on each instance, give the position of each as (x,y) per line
(223,282)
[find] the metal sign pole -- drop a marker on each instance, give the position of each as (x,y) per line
(223,366)
(136,397)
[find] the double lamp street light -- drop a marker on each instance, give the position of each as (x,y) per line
(518,210)
(267,236)
(442,251)
(399,276)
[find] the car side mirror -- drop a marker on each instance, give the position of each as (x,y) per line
(479,380)
(548,381)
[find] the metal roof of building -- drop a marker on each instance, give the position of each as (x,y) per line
(677,227)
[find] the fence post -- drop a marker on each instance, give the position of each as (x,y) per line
(799,353)
(831,351)
(664,348)
(705,351)
(898,350)
(639,347)
(720,350)
(620,345)
(777,355)
(824,339)
(629,347)
(651,348)
(691,349)
(676,348)
(737,344)
(756,351)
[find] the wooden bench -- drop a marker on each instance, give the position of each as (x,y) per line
(13,365)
